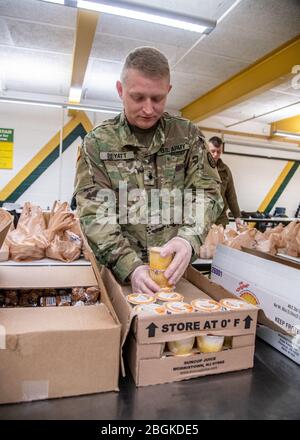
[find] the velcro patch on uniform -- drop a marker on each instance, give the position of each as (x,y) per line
(211,160)
(116,155)
(174,149)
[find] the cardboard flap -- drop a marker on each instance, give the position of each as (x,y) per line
(120,306)
(5,223)
(212,289)
(22,320)
(262,319)
(50,277)
(275,258)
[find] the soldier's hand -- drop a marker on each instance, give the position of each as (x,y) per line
(141,281)
(239,222)
(183,252)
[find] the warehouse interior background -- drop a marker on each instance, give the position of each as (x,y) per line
(241,82)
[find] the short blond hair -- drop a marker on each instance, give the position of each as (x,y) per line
(147,60)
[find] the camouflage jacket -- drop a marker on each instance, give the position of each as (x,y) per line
(111,156)
(228,194)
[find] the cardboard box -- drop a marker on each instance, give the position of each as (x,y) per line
(50,352)
(147,335)
(6,221)
(271,282)
(287,345)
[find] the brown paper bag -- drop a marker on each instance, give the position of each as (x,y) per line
(28,240)
(64,244)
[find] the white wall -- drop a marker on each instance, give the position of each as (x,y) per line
(33,127)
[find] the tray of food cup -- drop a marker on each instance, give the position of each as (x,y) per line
(168,302)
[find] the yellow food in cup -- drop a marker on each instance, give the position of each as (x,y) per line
(159,278)
(182,347)
(210,344)
(156,261)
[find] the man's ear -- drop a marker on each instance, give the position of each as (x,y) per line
(170,87)
(119,88)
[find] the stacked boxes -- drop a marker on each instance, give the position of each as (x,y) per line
(48,352)
(270,282)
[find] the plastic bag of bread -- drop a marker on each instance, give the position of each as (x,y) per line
(28,240)
(64,244)
(291,237)
(245,239)
(271,245)
(277,230)
(214,237)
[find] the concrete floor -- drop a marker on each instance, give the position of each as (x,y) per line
(268,391)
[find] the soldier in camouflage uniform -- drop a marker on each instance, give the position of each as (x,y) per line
(143,149)
(215,146)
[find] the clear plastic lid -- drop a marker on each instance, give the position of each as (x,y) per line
(140,298)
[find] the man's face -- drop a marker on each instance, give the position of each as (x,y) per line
(144,98)
(215,152)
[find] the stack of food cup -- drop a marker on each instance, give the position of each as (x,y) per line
(158,266)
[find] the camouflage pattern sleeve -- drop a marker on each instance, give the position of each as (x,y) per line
(96,207)
(203,181)
(231,196)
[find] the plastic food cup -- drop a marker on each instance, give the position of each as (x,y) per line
(140,298)
(164,297)
(179,307)
(158,276)
(181,347)
(210,344)
(206,305)
(156,261)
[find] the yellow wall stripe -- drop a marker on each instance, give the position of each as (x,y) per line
(276,186)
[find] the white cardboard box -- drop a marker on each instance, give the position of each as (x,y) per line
(273,285)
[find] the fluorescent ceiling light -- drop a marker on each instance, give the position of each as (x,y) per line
(60,2)
(61,105)
(75,94)
(150,14)
(287,134)
(92,109)
(28,102)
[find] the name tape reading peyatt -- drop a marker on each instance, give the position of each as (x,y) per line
(193,326)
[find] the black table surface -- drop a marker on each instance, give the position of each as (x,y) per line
(268,391)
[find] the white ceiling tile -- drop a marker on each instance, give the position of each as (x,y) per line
(238,42)
(116,48)
(36,41)
(204,63)
(39,11)
(275,16)
(32,35)
(5,36)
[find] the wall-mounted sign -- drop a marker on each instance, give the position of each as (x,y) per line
(6,147)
